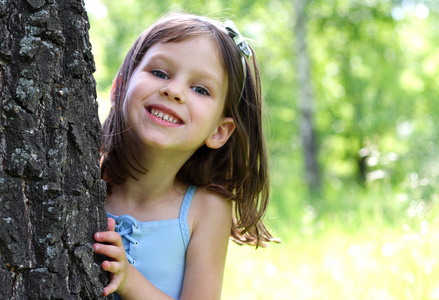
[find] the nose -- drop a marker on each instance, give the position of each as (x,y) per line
(173,91)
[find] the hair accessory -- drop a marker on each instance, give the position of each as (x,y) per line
(237,37)
(242,46)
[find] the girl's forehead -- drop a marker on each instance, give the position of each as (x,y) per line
(205,37)
(204,45)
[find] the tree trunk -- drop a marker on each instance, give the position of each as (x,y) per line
(51,194)
(305,98)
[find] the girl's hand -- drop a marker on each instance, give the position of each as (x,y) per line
(118,264)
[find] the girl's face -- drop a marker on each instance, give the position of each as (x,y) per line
(176,96)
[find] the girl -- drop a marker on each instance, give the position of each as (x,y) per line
(184,159)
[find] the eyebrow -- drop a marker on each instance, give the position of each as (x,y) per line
(160,56)
(211,77)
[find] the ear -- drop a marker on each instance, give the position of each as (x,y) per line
(116,81)
(112,92)
(221,134)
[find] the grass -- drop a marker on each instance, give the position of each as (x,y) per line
(337,265)
(376,260)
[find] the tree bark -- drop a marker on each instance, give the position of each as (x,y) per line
(51,194)
(305,98)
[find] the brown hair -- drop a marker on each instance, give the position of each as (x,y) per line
(237,170)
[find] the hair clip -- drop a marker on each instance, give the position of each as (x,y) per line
(237,37)
(242,46)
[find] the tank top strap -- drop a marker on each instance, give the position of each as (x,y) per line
(184,226)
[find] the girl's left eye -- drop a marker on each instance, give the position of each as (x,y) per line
(159,74)
(200,90)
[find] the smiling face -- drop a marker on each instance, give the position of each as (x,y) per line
(175,98)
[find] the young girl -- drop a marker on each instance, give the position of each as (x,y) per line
(184,159)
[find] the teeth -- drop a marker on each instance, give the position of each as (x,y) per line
(163,116)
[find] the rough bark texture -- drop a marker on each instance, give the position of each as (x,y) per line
(305,98)
(51,194)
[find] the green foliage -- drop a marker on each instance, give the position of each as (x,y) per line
(371,87)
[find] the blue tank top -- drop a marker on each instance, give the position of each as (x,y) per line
(158,248)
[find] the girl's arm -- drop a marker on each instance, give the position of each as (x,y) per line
(207,250)
(124,278)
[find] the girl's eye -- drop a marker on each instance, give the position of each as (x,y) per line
(200,90)
(159,74)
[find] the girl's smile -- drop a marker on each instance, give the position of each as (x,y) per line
(164,116)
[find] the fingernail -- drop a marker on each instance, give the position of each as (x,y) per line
(97,235)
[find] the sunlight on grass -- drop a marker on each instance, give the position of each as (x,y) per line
(390,264)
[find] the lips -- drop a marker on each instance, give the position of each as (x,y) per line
(165,114)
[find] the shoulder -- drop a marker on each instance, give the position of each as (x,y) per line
(211,217)
(209,208)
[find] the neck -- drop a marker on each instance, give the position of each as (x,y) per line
(158,183)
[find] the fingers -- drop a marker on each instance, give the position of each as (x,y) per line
(111,251)
(111,224)
(111,266)
(110,237)
(112,286)
(109,243)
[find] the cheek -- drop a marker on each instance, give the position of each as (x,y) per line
(130,105)
(127,110)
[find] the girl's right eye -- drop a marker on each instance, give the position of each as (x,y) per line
(159,74)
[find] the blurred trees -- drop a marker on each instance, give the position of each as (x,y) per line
(305,96)
(373,70)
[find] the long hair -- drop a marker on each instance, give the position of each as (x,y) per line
(237,170)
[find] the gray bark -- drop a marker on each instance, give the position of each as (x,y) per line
(51,194)
(305,98)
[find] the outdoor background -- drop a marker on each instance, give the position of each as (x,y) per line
(363,224)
